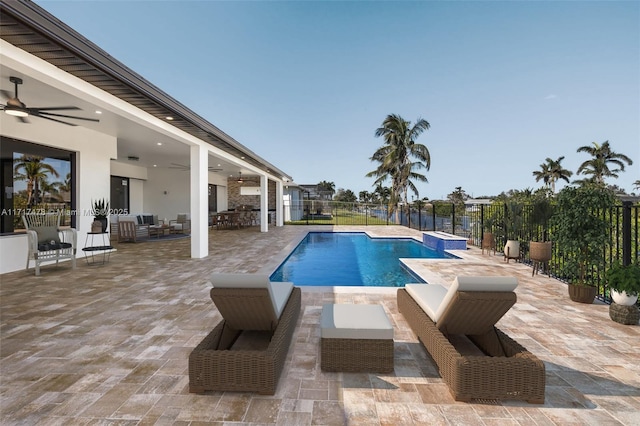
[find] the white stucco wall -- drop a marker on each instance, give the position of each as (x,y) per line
(166,192)
(94,151)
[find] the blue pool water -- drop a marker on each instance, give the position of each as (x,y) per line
(352,259)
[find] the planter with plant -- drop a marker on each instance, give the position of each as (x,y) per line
(101,212)
(539,247)
(581,230)
(511,226)
(624,283)
(488,241)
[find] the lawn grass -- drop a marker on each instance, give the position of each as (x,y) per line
(342,217)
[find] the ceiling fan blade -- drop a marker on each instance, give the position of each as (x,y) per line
(58,121)
(60,108)
(49,114)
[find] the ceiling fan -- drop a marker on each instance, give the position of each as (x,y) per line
(18,109)
(185,167)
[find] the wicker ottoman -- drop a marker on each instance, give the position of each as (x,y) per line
(356,338)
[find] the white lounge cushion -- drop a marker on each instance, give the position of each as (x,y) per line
(350,321)
(428,296)
(279,292)
(434,301)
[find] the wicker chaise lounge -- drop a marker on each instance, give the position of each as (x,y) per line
(457,327)
(246,351)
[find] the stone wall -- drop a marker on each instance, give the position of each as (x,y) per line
(235,199)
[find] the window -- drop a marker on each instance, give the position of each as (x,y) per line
(35,178)
(119,194)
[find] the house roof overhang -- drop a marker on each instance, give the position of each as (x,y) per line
(34,30)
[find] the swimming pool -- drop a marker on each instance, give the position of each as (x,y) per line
(352,259)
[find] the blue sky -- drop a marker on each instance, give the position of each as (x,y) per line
(305,84)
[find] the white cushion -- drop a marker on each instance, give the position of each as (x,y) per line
(279,292)
(344,321)
(435,300)
(428,296)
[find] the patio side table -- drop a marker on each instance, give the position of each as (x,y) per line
(94,252)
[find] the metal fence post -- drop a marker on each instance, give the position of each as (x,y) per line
(433,214)
(453,218)
(626,233)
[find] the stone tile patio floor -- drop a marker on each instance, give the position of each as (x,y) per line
(109,345)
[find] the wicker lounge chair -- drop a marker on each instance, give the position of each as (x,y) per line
(475,359)
(246,351)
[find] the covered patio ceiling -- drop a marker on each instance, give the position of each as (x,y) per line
(30,28)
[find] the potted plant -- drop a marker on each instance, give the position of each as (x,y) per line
(541,212)
(624,283)
(101,212)
(581,237)
(488,241)
(511,225)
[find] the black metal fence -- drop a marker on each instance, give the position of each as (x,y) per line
(472,221)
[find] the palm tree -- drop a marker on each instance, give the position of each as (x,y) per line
(598,166)
(326,189)
(52,189)
(382,194)
(552,171)
(33,170)
(364,196)
(396,157)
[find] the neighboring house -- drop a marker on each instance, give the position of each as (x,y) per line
(293,202)
(147,152)
(314,192)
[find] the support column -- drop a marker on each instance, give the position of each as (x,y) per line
(199,204)
(279,201)
(264,203)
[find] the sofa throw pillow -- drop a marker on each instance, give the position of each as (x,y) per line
(48,238)
(147,219)
(156,221)
(139,219)
(47,234)
(182,218)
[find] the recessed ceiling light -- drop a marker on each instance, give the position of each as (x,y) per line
(219,165)
(98,111)
(242,158)
(155,165)
(159,143)
(169,117)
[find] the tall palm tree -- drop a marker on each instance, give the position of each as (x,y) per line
(382,193)
(396,157)
(326,189)
(552,171)
(598,166)
(32,169)
(364,196)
